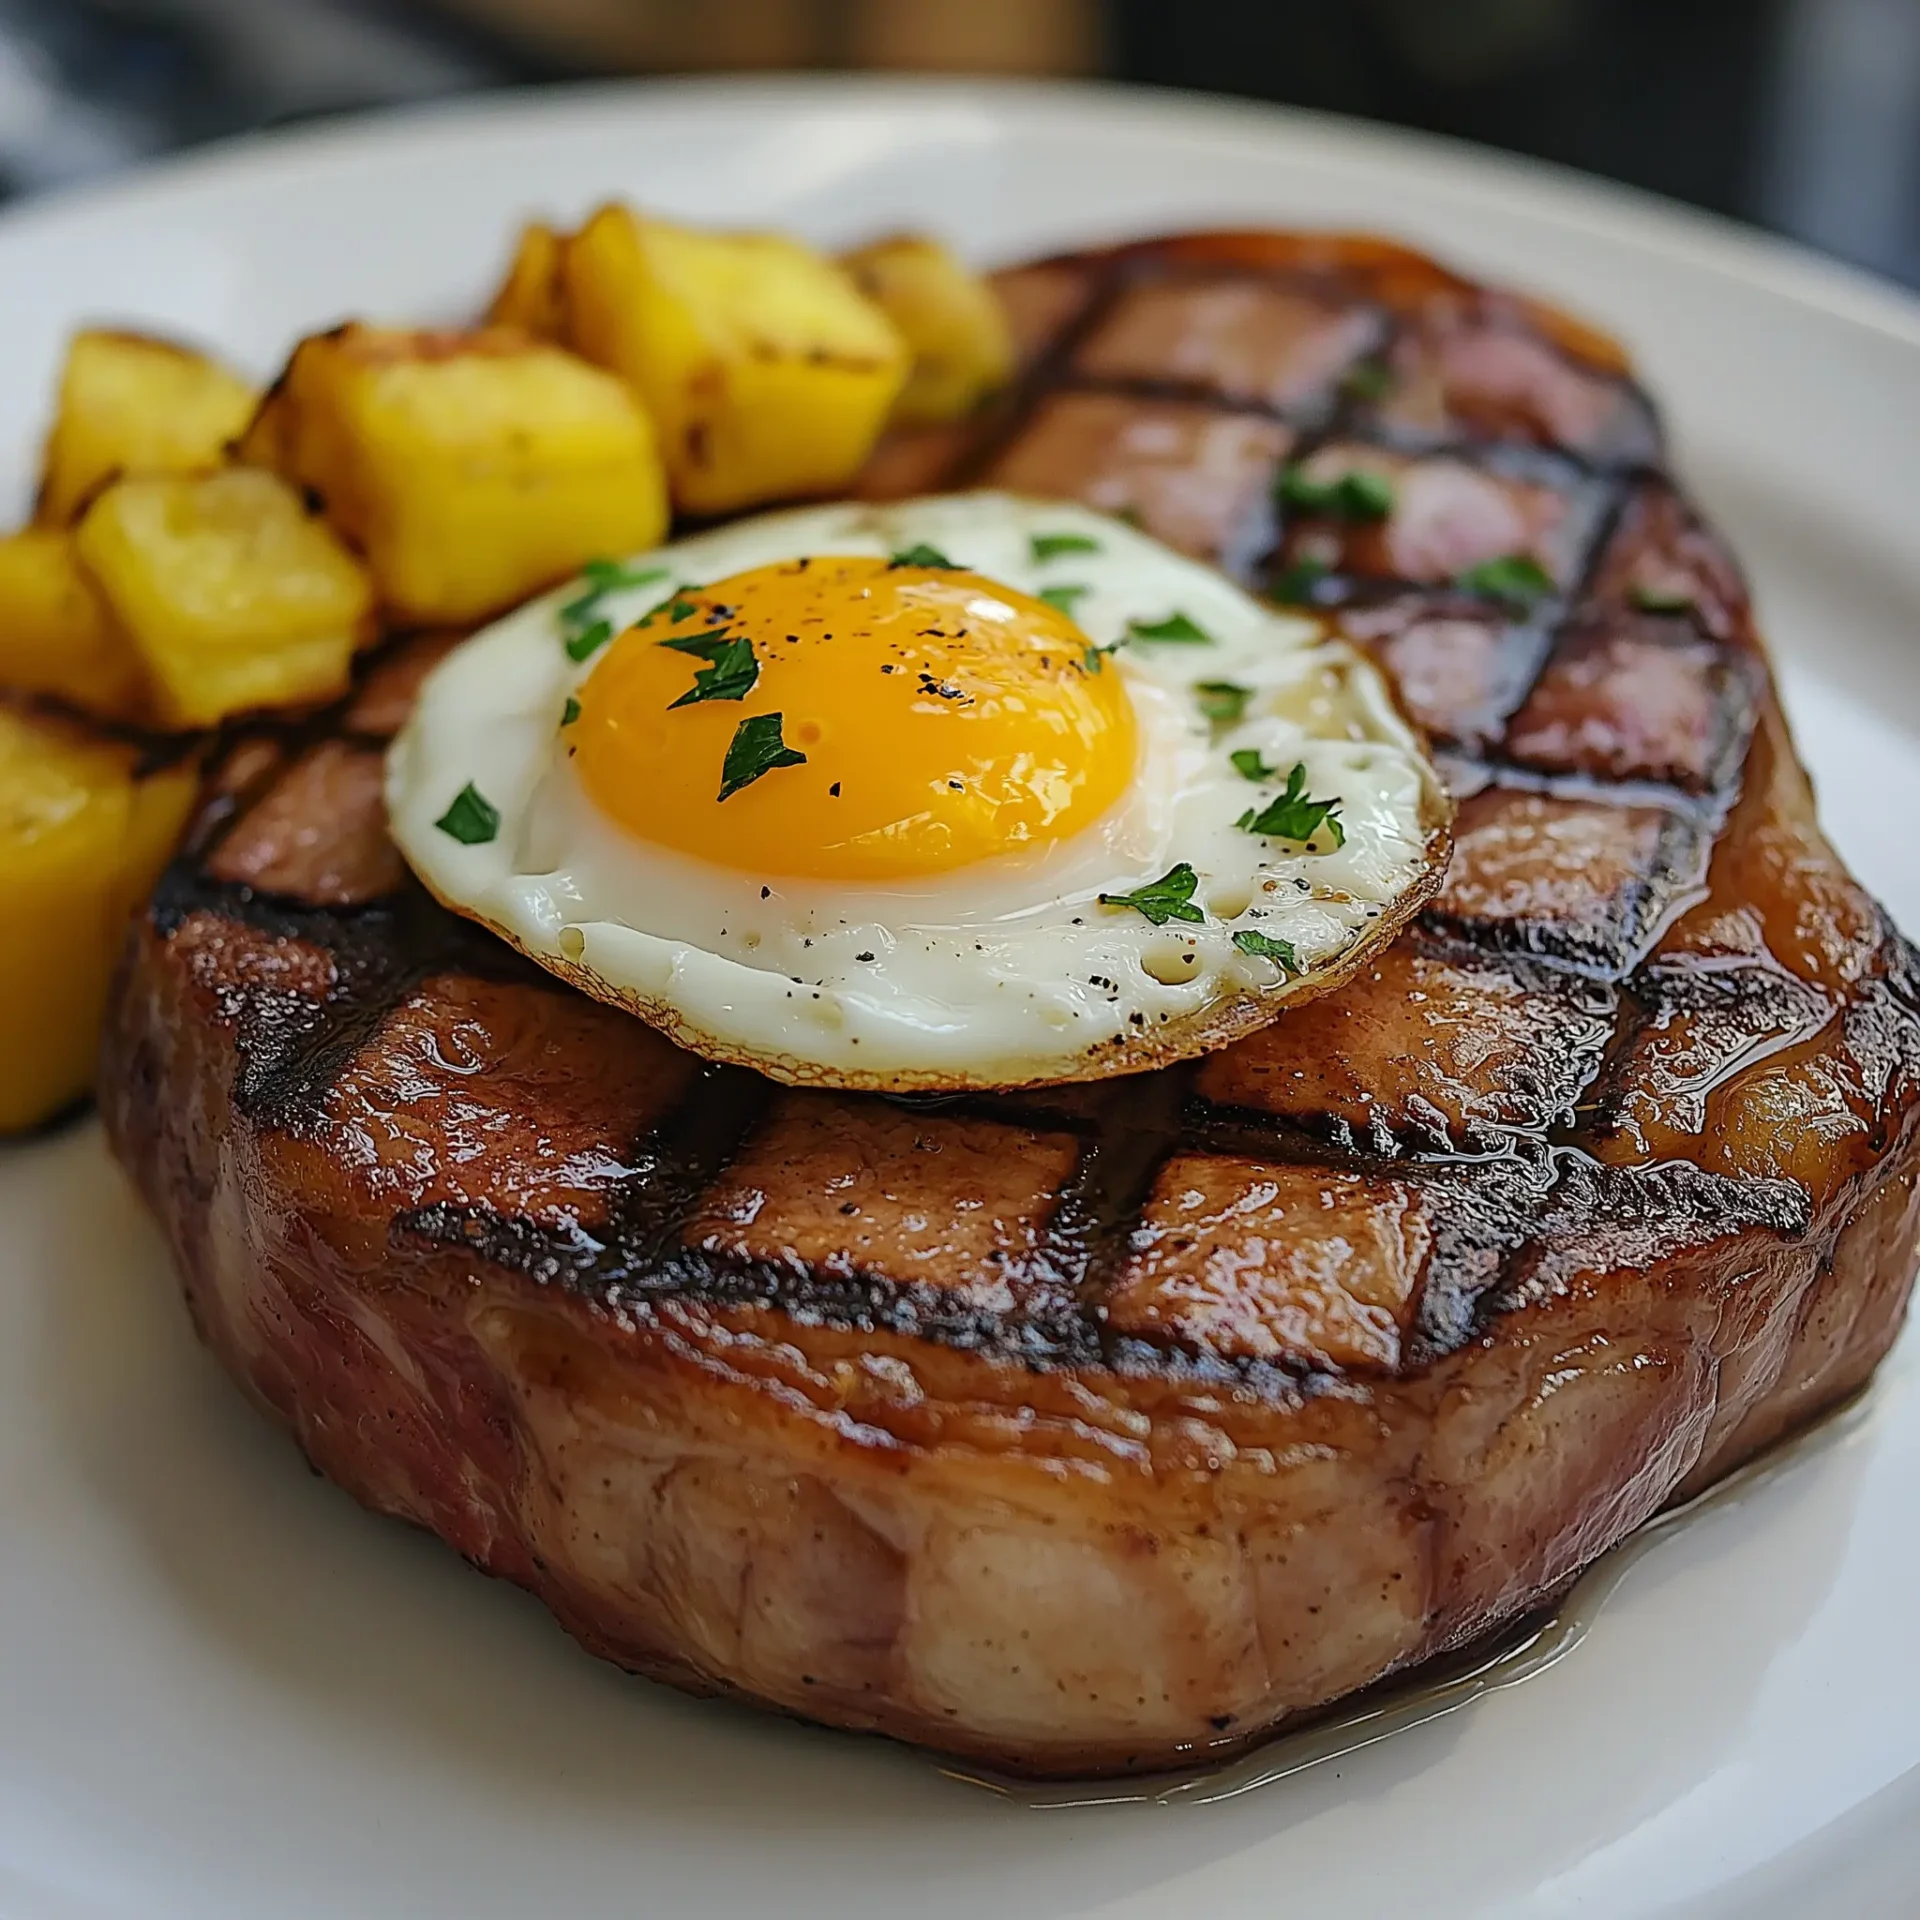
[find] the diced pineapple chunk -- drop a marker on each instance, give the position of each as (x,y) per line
(130,404)
(234,595)
(472,469)
(56,635)
(949,317)
(82,837)
(529,297)
(769,373)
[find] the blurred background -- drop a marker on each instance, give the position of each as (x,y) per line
(1800,115)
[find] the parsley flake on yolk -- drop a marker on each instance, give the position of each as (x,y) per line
(944,719)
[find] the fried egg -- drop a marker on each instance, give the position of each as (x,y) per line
(970,791)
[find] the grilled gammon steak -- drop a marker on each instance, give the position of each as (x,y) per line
(1107,1427)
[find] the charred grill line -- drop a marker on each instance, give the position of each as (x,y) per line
(1247,1133)
(218,816)
(1313,423)
(1707,810)
(1344,413)
(670,1164)
(679,1158)
(1663,890)
(547,1252)
(1007,414)
(1481,1235)
(1091,1229)
(1646,1200)
(1363,421)
(1050,1335)
(630,1273)
(1047,1334)
(292,1048)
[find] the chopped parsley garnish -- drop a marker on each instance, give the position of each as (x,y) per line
(589,640)
(1299,586)
(1221,700)
(473,819)
(1674,598)
(580,619)
(1366,496)
(604,577)
(1168,898)
(570,712)
(1176,629)
(1248,764)
(676,606)
(1294,815)
(1367,380)
(1357,494)
(1263,946)
(1064,599)
(922,555)
(1094,659)
(1049,546)
(609,576)
(756,748)
(730,669)
(1514,576)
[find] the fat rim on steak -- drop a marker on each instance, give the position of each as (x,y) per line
(1106,1428)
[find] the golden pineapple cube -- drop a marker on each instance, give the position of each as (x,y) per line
(131,404)
(530,296)
(768,372)
(472,469)
(83,836)
(233,594)
(56,634)
(957,330)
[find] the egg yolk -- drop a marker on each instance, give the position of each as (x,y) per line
(943,719)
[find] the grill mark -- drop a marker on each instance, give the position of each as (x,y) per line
(1589,1197)
(670,1165)
(546,1253)
(1633,1017)
(292,1049)
(1476,1247)
(1498,1235)
(1673,880)
(679,1158)
(1356,422)
(1006,417)
(216,818)
(1705,811)
(1555,622)
(1092,1227)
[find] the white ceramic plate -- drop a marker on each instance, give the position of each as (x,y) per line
(227,1692)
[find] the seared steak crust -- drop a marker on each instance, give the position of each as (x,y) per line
(1106,1427)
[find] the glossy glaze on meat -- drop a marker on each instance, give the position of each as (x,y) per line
(1106,1428)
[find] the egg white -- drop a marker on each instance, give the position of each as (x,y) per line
(1007,972)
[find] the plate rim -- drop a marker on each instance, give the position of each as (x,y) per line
(1623,214)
